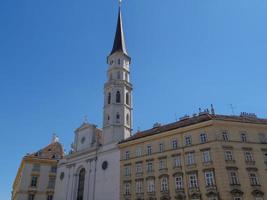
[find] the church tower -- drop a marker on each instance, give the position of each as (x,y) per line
(117,122)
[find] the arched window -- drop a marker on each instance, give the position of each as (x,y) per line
(127,119)
(81,184)
(109,98)
(118,118)
(119,61)
(164,184)
(118,97)
(118,75)
(127,98)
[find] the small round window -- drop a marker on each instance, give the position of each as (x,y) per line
(104,165)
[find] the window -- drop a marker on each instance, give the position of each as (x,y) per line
(126,76)
(263,138)
(118,118)
(139,187)
(188,140)
(243,137)
(53,169)
(51,182)
(119,61)
(203,137)
(265,157)
(127,98)
(139,151)
(150,185)
(249,156)
(149,167)
(177,161)
(193,180)
(254,180)
(31,197)
(49,197)
(209,178)
(164,184)
(234,180)
(178,181)
(138,168)
(109,98)
(34,181)
(228,155)
(237,198)
(118,75)
(127,155)
(118,97)
(190,158)
(127,187)
(80,189)
(127,119)
(161,147)
(149,150)
(225,136)
(36,167)
(127,170)
(162,164)
(206,156)
(174,144)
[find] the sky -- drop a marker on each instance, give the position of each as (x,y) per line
(186,54)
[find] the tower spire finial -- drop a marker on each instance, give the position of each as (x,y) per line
(120,1)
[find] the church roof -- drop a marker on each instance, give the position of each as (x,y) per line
(194,120)
(53,151)
(119,41)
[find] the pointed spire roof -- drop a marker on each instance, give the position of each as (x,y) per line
(119,41)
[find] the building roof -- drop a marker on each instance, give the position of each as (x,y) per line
(53,151)
(194,120)
(119,41)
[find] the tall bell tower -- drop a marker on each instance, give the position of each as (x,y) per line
(117,118)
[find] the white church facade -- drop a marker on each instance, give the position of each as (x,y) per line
(92,170)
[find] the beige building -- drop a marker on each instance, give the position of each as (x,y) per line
(36,176)
(206,156)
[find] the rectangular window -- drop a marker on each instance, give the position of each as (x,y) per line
(237,198)
(179,182)
(228,155)
(31,197)
(209,178)
(265,157)
(193,180)
(206,156)
(164,184)
(162,164)
(249,156)
(254,180)
(243,137)
(139,168)
(190,158)
(149,150)
(34,181)
(161,147)
(36,167)
(139,151)
(203,138)
(139,187)
(150,185)
(234,180)
(51,182)
(53,169)
(127,187)
(127,170)
(127,155)
(149,167)
(188,140)
(225,136)
(174,144)
(177,161)
(49,197)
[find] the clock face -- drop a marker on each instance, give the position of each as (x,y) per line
(105,165)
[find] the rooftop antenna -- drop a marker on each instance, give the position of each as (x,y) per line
(175,117)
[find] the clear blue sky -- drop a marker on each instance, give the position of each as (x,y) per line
(185,54)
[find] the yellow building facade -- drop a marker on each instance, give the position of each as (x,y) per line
(36,176)
(207,156)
